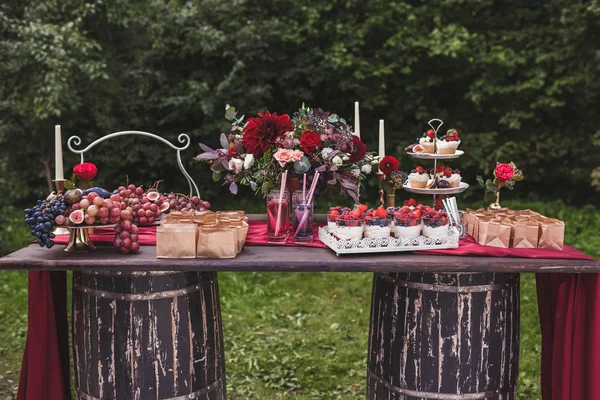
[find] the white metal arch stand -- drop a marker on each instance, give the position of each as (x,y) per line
(183,138)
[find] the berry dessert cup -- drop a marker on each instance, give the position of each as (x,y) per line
(435,224)
(407,227)
(378,224)
(448,143)
(348,227)
(418,178)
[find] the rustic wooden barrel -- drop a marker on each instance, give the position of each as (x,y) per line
(147,335)
(444,336)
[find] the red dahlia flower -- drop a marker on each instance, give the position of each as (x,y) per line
(504,172)
(389,164)
(261,132)
(359,149)
(85,171)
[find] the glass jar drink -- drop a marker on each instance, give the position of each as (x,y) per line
(278,216)
(302,218)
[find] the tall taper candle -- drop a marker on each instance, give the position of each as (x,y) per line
(58,156)
(381,142)
(356,120)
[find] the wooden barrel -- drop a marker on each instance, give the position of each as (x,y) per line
(444,336)
(147,335)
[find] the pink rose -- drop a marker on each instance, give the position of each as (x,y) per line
(297,155)
(283,156)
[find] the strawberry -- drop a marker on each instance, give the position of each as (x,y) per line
(381,213)
(418,169)
(412,202)
(443,221)
(431,133)
(417,213)
(362,208)
(333,215)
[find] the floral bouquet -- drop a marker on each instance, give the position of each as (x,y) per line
(505,175)
(257,152)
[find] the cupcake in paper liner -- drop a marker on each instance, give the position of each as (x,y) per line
(448,143)
(418,178)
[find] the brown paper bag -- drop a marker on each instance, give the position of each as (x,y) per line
(526,233)
(481,229)
(498,234)
(552,234)
(176,240)
(216,242)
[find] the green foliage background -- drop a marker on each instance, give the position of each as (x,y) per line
(518,79)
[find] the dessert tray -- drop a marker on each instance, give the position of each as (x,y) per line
(431,156)
(388,244)
(461,188)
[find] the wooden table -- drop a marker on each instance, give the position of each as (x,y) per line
(442,327)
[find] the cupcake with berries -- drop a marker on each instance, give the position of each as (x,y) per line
(428,141)
(455,179)
(407,222)
(418,178)
(435,223)
(349,224)
(448,143)
(377,223)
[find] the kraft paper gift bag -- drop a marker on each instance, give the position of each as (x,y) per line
(176,240)
(498,234)
(552,234)
(216,242)
(526,234)
(481,229)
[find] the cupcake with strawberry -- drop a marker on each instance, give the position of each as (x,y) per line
(428,141)
(407,222)
(418,178)
(435,223)
(448,143)
(455,179)
(377,223)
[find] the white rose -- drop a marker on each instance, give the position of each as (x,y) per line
(355,172)
(235,164)
(366,169)
(248,161)
(326,152)
(337,161)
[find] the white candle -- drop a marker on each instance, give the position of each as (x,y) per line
(381,141)
(58,156)
(356,120)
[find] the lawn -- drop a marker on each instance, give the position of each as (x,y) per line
(304,335)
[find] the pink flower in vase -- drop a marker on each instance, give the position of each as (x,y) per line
(297,155)
(283,156)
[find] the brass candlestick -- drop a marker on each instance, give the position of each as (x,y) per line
(380,177)
(60,185)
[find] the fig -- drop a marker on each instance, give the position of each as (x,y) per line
(418,149)
(73,196)
(164,207)
(153,196)
(443,184)
(410,147)
(76,217)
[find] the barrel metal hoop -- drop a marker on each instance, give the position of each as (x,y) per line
(128,273)
(194,395)
(139,296)
(438,396)
(434,287)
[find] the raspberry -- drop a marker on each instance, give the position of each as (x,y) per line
(419,169)
(431,133)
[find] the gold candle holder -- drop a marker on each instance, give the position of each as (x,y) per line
(380,177)
(79,241)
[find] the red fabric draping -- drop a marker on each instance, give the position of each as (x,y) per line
(45,368)
(567,304)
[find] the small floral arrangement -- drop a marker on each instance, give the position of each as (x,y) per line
(505,175)
(393,177)
(257,152)
(83,176)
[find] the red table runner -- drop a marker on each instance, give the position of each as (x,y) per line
(567,305)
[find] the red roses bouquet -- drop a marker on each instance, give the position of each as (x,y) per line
(505,175)
(257,152)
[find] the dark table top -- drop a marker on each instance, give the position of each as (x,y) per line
(278,258)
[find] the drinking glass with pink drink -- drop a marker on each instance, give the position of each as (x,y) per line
(278,232)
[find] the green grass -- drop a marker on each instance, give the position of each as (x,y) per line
(303,335)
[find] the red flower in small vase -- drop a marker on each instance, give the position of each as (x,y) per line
(267,129)
(504,172)
(85,171)
(389,164)
(359,149)
(310,141)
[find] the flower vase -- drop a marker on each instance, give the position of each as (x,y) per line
(496,205)
(391,200)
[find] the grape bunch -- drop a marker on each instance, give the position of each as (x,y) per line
(89,209)
(184,203)
(41,219)
(126,237)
